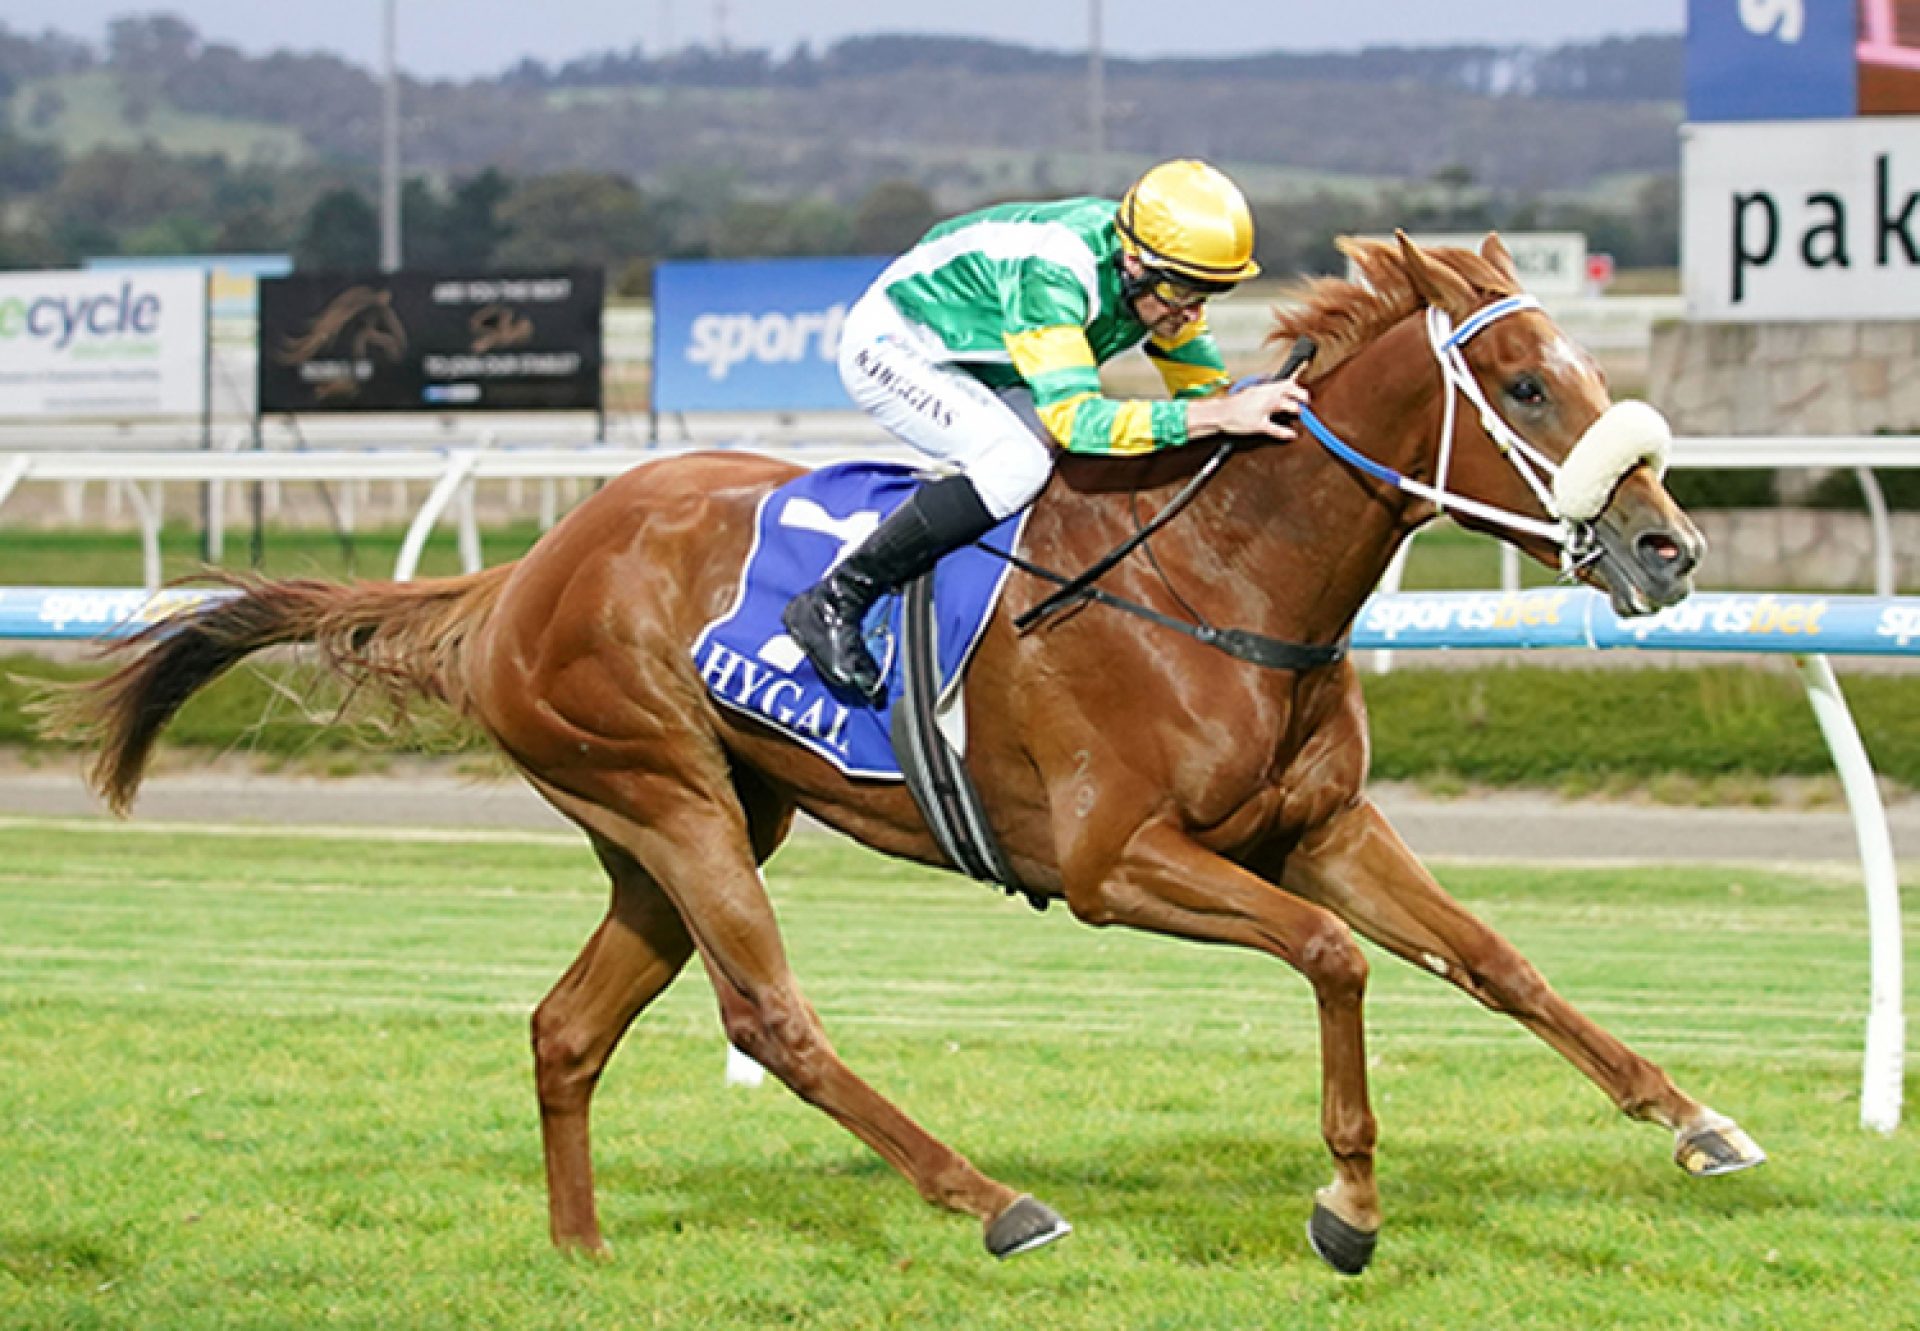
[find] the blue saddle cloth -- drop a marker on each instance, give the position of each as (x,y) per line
(749,663)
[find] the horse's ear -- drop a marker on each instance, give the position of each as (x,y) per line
(1494,250)
(1374,260)
(1434,284)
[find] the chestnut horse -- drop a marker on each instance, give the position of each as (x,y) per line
(1145,777)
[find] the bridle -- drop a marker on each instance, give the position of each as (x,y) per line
(1624,436)
(1572,492)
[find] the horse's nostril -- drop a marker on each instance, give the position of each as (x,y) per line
(1660,551)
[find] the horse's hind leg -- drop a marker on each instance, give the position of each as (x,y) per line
(631,958)
(701,854)
(1357,866)
(774,1024)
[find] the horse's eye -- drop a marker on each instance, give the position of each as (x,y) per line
(1527,391)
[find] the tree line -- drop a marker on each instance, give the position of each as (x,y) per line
(857,150)
(132,201)
(120,201)
(1645,68)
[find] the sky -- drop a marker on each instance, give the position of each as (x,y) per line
(457,39)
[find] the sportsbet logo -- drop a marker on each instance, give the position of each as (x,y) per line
(67,320)
(1751,616)
(1455,618)
(60,609)
(1466,614)
(722,341)
(1901,623)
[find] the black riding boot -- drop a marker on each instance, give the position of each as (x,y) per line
(939,517)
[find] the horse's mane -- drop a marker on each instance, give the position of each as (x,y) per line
(1342,316)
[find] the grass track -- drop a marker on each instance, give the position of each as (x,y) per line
(281,1081)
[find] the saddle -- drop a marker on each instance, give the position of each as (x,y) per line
(922,639)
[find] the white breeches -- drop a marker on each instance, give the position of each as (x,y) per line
(893,371)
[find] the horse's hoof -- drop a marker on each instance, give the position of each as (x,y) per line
(583,1250)
(1716,1146)
(1341,1246)
(1024,1226)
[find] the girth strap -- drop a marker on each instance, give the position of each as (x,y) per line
(935,774)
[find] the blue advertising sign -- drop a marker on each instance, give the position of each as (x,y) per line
(754,335)
(1772,60)
(93,612)
(1704,622)
(1541,617)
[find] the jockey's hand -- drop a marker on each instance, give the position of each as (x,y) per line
(1271,410)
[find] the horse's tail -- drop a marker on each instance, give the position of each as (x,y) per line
(408,640)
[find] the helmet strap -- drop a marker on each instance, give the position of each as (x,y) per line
(1135,284)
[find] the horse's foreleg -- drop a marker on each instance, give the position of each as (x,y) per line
(636,952)
(1357,866)
(1165,883)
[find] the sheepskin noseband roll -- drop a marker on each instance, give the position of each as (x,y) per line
(1627,434)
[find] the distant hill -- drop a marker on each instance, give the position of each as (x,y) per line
(83,111)
(967,119)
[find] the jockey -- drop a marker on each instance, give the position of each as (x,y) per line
(980,346)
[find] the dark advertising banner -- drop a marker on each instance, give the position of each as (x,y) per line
(431,342)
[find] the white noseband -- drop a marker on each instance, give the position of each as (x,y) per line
(1627,434)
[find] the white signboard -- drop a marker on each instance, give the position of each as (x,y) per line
(1551,263)
(96,344)
(1815,219)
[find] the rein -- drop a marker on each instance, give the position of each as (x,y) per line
(1567,526)
(1076,588)
(1446,342)
(1079,587)
(1575,538)
(1241,644)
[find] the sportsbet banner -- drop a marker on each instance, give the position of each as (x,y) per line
(1704,622)
(1542,617)
(114,344)
(758,335)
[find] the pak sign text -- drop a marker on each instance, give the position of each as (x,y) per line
(1819,232)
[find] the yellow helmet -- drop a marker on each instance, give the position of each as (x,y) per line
(1186,219)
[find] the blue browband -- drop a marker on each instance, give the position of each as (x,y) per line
(1500,309)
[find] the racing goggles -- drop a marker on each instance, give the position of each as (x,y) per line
(1178,292)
